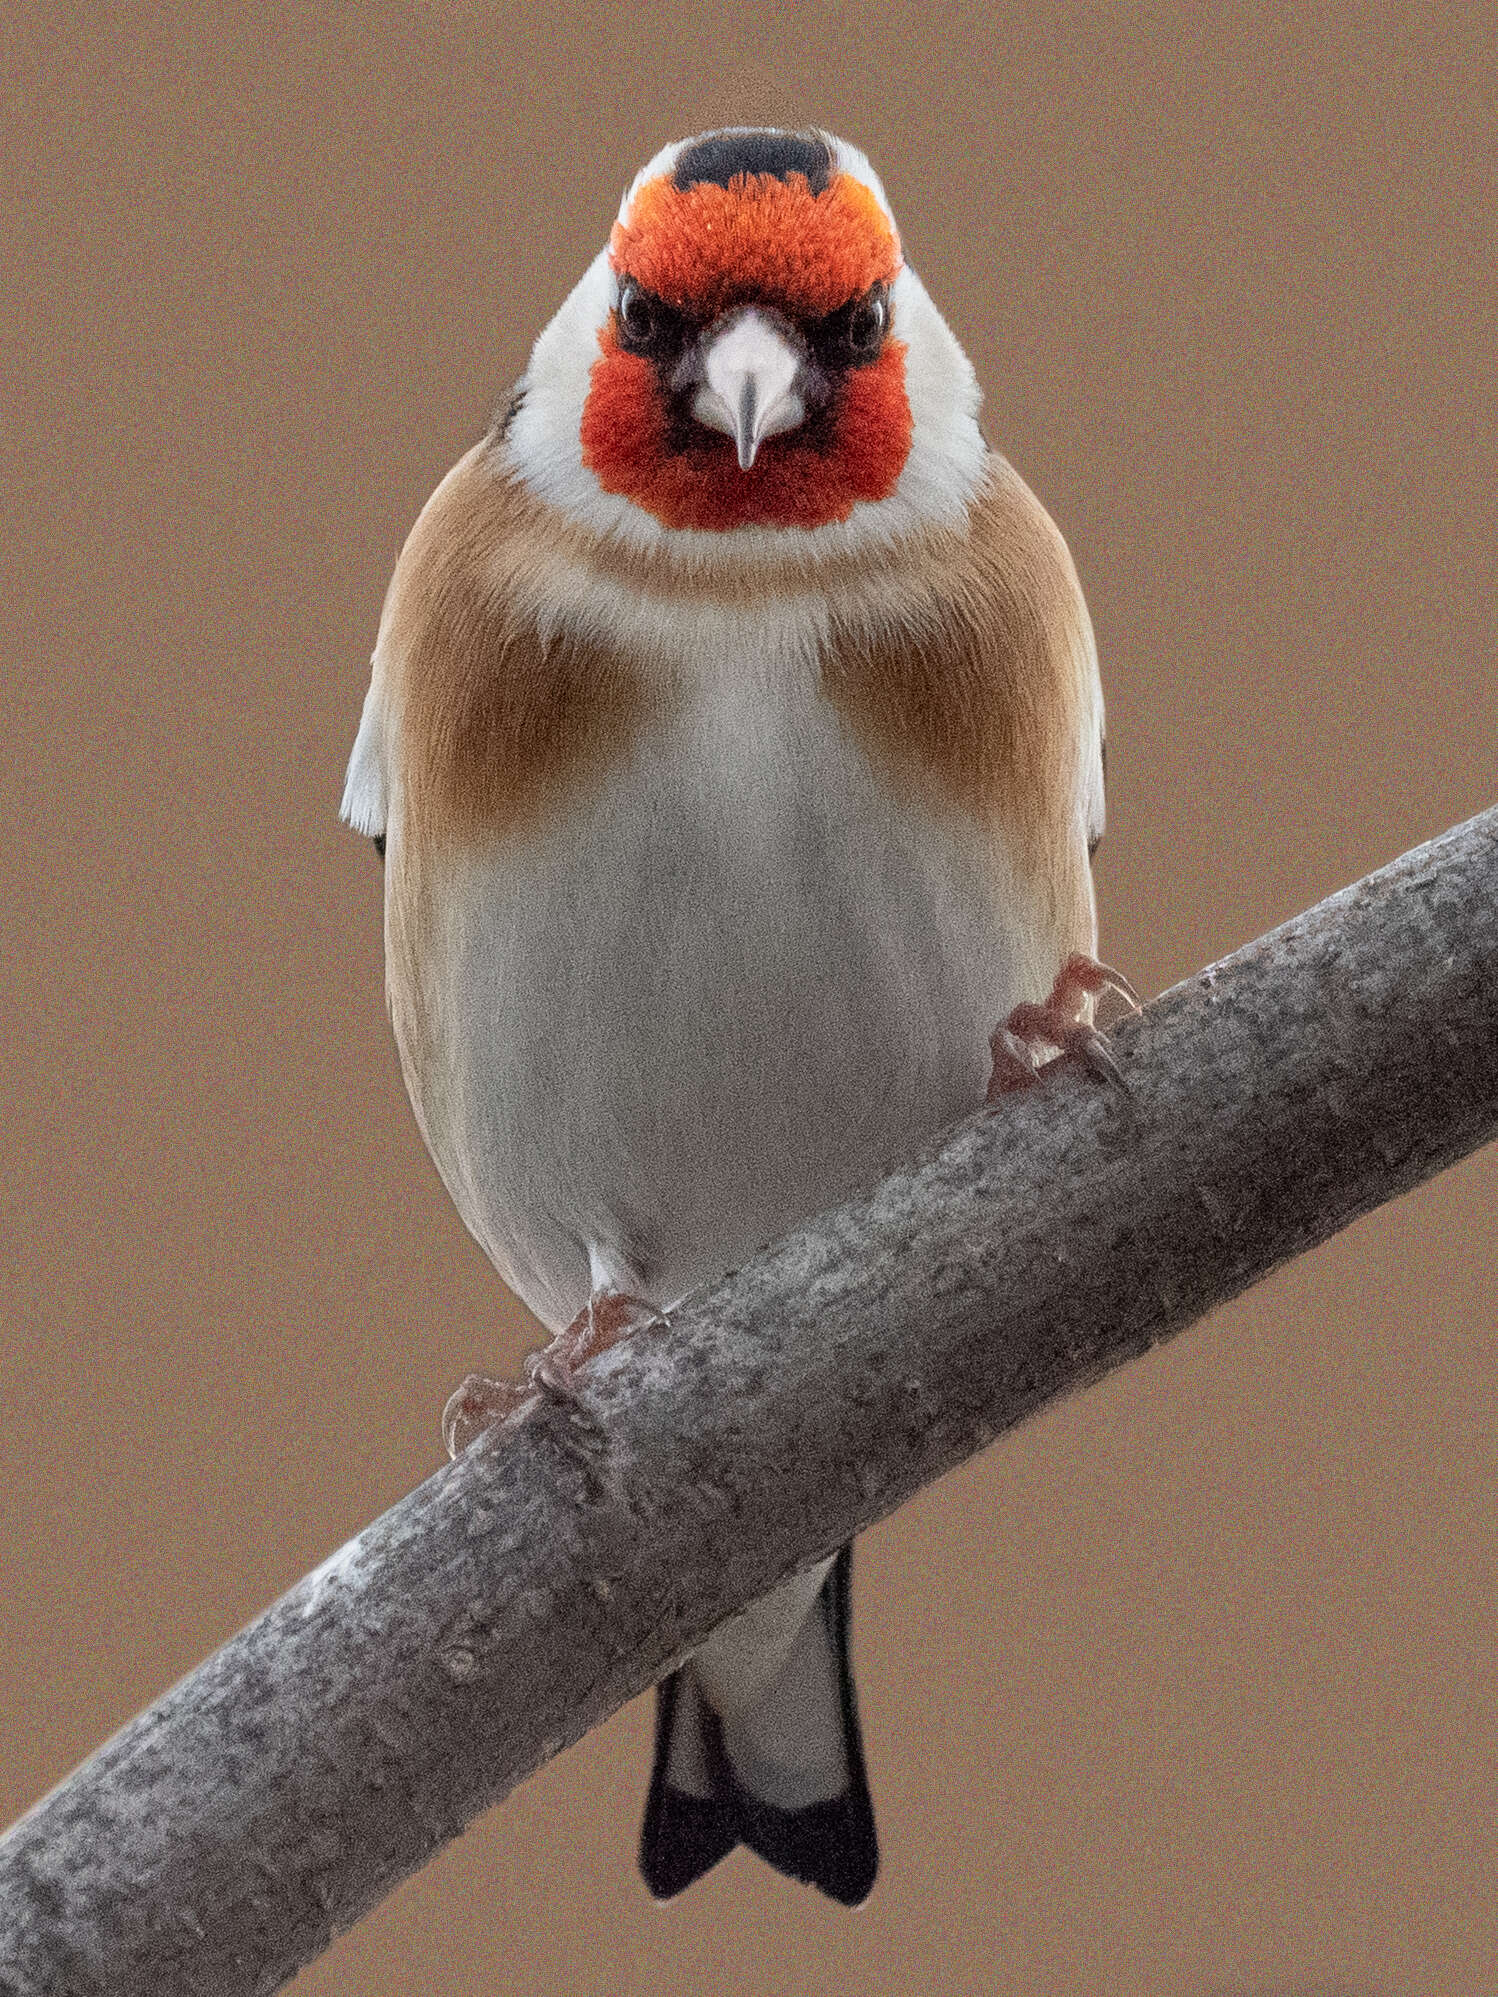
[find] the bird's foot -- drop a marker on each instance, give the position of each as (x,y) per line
(481,1402)
(1059,1023)
(607,1317)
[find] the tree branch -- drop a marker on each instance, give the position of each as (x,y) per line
(525,1592)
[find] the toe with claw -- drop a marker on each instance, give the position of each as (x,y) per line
(1059,1023)
(481,1402)
(607,1317)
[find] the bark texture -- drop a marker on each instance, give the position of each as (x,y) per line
(523,1593)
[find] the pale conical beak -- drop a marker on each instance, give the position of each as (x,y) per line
(752,384)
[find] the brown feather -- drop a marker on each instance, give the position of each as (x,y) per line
(960,660)
(496,718)
(494,724)
(979,687)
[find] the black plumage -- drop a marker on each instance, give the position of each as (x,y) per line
(831,1845)
(718,156)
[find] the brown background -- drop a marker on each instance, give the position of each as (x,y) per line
(1188,1687)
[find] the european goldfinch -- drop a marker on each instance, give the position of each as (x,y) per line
(735,746)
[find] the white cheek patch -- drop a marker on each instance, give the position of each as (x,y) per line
(544,437)
(947,452)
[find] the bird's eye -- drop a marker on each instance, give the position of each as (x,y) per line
(853,335)
(866,323)
(640,319)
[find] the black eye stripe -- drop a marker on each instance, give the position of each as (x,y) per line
(852,336)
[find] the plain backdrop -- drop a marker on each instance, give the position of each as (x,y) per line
(1187,1687)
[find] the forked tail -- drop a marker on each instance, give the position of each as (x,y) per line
(757,1743)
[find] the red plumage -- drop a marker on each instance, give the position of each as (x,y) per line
(796,481)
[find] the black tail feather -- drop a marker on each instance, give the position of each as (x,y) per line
(682,1836)
(831,1845)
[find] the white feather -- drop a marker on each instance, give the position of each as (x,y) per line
(1091,804)
(364,788)
(771,1675)
(727,985)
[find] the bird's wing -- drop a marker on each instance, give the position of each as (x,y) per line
(364,790)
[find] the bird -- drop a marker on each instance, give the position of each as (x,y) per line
(734,746)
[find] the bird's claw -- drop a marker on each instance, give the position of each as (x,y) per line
(1059,1023)
(551,1374)
(479,1402)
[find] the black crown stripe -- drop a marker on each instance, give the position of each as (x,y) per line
(718,156)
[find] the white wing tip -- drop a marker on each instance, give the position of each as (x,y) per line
(363,803)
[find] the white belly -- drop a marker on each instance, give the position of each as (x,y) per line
(729,986)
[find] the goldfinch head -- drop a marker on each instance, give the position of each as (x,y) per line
(751,356)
